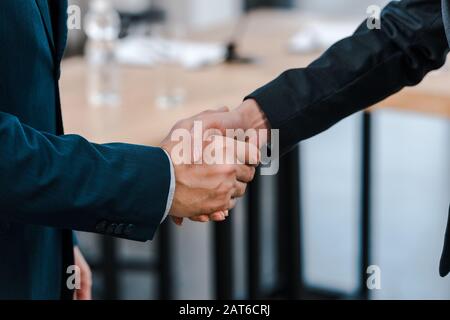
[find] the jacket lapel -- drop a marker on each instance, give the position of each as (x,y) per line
(446,17)
(46,19)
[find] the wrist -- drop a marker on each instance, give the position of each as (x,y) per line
(252,115)
(172,186)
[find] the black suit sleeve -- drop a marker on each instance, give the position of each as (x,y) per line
(357,72)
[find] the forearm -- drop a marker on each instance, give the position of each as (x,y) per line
(357,72)
(68,182)
(253,117)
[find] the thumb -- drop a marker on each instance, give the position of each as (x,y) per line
(211,112)
(223,109)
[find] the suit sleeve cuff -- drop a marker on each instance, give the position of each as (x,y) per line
(171,188)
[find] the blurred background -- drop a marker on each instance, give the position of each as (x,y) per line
(373,190)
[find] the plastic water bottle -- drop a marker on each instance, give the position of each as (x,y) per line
(102,26)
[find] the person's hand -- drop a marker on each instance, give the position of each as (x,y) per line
(188,124)
(252,117)
(247,116)
(215,217)
(210,188)
(213,188)
(85,292)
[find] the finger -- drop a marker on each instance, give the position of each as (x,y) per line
(84,293)
(246,153)
(223,109)
(202,218)
(81,295)
(218,216)
(245,173)
(212,111)
(232,203)
(240,190)
(199,117)
(222,121)
(227,213)
(178,221)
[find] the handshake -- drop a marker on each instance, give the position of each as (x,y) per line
(214,155)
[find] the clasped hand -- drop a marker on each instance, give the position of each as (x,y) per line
(210,174)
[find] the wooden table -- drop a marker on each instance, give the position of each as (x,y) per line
(139,121)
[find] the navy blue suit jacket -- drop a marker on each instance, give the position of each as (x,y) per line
(51,184)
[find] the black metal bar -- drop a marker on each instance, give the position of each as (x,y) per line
(366,168)
(288,216)
(254,238)
(165,264)
(110,268)
(223,259)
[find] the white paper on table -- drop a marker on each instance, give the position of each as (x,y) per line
(320,35)
(144,51)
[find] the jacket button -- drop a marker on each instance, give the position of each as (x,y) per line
(111,228)
(120,229)
(101,226)
(129,229)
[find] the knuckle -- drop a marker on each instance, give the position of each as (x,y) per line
(221,205)
(183,123)
(229,186)
(252,173)
(206,112)
(224,207)
(244,188)
(211,207)
(225,188)
(228,192)
(229,170)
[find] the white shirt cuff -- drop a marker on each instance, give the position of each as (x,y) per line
(171,189)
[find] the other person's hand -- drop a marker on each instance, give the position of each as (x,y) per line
(207,190)
(85,291)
